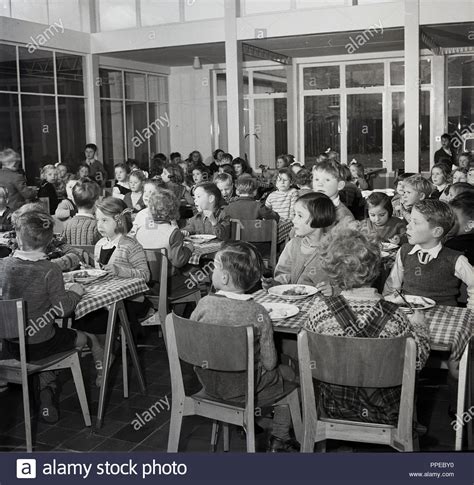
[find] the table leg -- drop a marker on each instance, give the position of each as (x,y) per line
(463,365)
(124,363)
(131,345)
(106,362)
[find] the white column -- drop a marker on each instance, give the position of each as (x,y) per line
(291,104)
(439,115)
(92,90)
(234,78)
(412,93)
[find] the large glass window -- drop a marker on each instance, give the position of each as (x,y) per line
(203,9)
(425,131)
(72,129)
(70,77)
(9,122)
(8,75)
(364,75)
(326,77)
(156,12)
(117,14)
(112,132)
(36,71)
(398,130)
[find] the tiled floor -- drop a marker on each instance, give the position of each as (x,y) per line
(123,431)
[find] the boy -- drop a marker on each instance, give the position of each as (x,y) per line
(415,189)
(237,268)
(29,275)
(5,213)
(328,179)
(96,169)
(470,176)
(81,230)
(244,206)
(424,267)
(225,185)
(463,237)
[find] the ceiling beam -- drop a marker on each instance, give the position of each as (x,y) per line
(259,53)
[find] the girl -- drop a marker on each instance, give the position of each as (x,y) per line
(211,218)
(195,157)
(283,161)
(464,160)
(83,171)
(358,176)
(67,207)
(120,256)
(200,175)
(134,199)
(299,261)
(459,175)
(173,177)
(241,166)
(61,180)
(397,205)
(217,160)
(122,186)
(47,189)
(440,175)
(282,201)
(389,229)
(144,217)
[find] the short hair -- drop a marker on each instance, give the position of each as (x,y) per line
(44,170)
(116,208)
(379,198)
(35,228)
(446,171)
(174,155)
(84,165)
(164,206)
(138,174)
(229,169)
(321,209)
(246,185)
(216,152)
(227,157)
(437,213)
(460,188)
(303,177)
(351,257)
(4,190)
(288,172)
(466,154)
(286,159)
(446,136)
(223,177)
(201,168)
(401,177)
(465,203)
(91,145)
(243,262)
(85,193)
(245,165)
(212,189)
(346,173)
(121,165)
(9,158)
(420,184)
(330,166)
(176,173)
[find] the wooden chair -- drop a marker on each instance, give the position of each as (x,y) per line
(87,253)
(361,362)
(221,348)
(160,297)
(257,231)
(12,326)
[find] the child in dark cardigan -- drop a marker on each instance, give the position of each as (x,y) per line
(47,189)
(5,213)
(238,267)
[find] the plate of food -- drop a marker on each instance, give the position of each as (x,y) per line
(387,246)
(84,276)
(201,238)
(416,302)
(292,292)
(280,311)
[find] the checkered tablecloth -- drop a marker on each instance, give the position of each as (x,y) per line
(106,291)
(202,249)
(284,229)
(450,327)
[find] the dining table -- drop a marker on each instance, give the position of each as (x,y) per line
(451,330)
(109,292)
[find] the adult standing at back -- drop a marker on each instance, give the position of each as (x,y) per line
(446,154)
(15,182)
(96,169)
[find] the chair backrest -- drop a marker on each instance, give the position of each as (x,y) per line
(87,253)
(12,318)
(157,260)
(360,362)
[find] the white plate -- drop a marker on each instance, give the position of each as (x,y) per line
(386,246)
(200,238)
(280,311)
(419,302)
(84,276)
(279,291)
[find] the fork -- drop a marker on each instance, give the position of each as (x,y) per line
(406,301)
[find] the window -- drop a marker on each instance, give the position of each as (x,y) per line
(117,14)
(364,75)
(326,77)
(397,72)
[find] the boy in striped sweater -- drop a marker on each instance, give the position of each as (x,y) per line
(282,201)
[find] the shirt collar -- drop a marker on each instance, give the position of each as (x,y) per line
(433,252)
(336,201)
(91,216)
(234,296)
(112,243)
(29,255)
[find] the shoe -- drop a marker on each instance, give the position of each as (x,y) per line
(277,445)
(49,412)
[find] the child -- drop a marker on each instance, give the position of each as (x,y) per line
(211,218)
(81,230)
(296,167)
(5,213)
(470,175)
(237,268)
(415,189)
(425,267)
(61,181)
(134,199)
(350,195)
(228,169)
(47,189)
(173,177)
(244,206)
(200,175)
(358,176)
(465,160)
(225,184)
(459,175)
(328,179)
(440,175)
(241,166)
(398,208)
(83,172)
(62,171)
(27,274)
(282,201)
(304,181)
(175,157)
(217,160)
(299,262)
(389,229)
(122,186)
(283,161)
(67,208)
(463,239)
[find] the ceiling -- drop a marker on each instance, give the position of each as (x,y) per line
(314,45)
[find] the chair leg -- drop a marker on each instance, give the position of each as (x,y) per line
(27,414)
(124,363)
(81,392)
(214,436)
(250,430)
(176,421)
(226,436)
(295,411)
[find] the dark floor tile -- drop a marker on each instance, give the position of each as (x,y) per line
(71,420)
(111,444)
(143,448)
(9,443)
(55,435)
(83,441)
(109,428)
(137,432)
